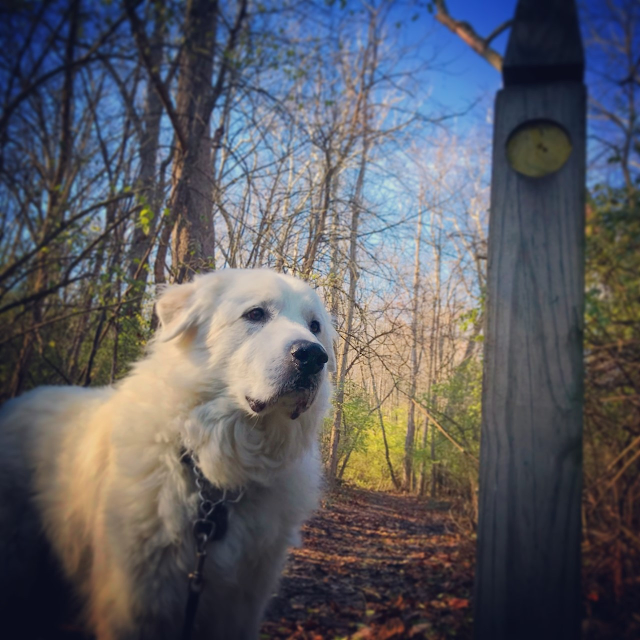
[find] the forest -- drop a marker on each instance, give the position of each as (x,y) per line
(144,142)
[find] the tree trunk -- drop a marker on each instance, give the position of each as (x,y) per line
(191,201)
(436,345)
(351,301)
(147,180)
(415,364)
(396,483)
(369,64)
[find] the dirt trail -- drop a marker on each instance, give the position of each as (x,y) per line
(375,566)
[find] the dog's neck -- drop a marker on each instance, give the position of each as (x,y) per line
(232,447)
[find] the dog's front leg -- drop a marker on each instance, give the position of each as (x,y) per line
(138,578)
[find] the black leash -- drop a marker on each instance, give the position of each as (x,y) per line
(211,525)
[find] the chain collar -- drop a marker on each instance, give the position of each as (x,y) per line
(211,522)
(210,525)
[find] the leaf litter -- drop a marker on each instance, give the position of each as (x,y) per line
(375,566)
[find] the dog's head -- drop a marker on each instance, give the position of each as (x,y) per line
(261,337)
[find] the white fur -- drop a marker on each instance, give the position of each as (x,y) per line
(100,468)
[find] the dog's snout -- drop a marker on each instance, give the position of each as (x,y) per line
(309,357)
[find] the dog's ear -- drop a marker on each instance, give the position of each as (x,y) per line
(175,309)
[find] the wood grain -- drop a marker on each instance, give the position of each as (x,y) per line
(528,572)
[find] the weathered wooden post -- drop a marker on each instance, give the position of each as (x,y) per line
(528,569)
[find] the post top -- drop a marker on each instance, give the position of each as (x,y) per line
(545,43)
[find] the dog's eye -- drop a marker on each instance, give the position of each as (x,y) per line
(314,326)
(256,315)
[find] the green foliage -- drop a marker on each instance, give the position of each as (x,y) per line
(357,420)
(613,265)
(357,413)
(612,382)
(612,321)
(367,465)
(459,400)
(461,394)
(145,218)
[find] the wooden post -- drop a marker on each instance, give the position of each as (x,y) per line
(528,557)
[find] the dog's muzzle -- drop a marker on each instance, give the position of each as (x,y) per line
(300,388)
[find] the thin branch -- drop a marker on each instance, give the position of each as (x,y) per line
(469,35)
(442,430)
(498,30)
(66,316)
(85,59)
(144,49)
(10,269)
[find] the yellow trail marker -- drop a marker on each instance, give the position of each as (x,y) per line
(538,148)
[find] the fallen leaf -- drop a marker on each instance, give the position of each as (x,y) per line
(457,603)
(417,629)
(393,628)
(363,634)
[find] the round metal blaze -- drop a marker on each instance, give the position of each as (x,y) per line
(538,148)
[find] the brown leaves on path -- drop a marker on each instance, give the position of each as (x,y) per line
(375,566)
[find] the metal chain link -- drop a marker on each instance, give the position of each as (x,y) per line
(211,524)
(205,528)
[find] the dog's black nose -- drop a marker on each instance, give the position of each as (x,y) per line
(309,357)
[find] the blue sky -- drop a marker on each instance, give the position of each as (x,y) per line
(467,77)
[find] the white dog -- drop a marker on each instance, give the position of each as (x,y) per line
(234,387)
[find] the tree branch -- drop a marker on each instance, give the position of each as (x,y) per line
(469,35)
(88,57)
(144,50)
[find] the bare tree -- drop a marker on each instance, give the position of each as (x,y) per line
(58,190)
(198,93)
(415,360)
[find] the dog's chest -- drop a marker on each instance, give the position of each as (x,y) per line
(241,569)
(257,530)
